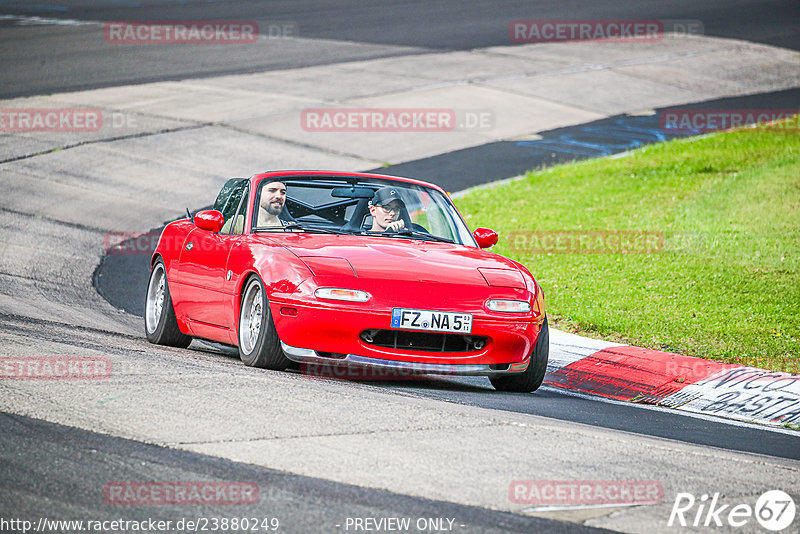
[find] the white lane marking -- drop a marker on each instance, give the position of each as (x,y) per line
(567,507)
(22,20)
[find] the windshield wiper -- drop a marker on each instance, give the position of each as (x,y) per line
(318,229)
(424,235)
(414,233)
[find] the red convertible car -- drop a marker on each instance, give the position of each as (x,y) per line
(352,269)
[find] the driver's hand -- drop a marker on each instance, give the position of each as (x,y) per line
(396,225)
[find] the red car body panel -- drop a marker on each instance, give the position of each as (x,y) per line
(207,271)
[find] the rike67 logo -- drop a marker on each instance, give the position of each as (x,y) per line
(774,510)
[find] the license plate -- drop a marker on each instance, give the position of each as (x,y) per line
(435,321)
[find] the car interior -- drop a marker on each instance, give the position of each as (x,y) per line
(318,203)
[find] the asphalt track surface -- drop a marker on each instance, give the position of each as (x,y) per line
(45,59)
(86,461)
(48,466)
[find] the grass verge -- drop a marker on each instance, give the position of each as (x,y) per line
(690,246)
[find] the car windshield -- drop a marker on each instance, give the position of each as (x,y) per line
(344,206)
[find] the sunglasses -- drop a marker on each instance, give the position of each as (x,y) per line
(391,207)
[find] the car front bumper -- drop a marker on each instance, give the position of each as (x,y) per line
(317,363)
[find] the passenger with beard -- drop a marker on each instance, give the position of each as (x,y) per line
(273,198)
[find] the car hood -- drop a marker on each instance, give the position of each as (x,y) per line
(396,258)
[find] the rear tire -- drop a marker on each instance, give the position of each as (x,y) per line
(530,379)
(259,345)
(160,324)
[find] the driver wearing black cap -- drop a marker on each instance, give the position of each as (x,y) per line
(385,209)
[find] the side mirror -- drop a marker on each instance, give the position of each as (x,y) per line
(210,220)
(486,237)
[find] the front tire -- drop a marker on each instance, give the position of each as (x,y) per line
(259,345)
(530,379)
(160,324)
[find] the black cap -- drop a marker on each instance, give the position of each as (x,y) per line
(386,195)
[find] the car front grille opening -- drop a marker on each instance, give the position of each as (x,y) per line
(423,341)
(332,355)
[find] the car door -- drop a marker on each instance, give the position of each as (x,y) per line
(204,259)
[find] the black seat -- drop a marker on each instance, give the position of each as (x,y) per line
(356,222)
(285,216)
